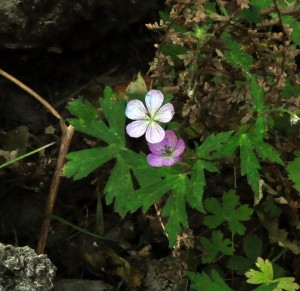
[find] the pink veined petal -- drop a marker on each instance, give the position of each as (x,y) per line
(136,110)
(154,99)
(154,133)
(165,113)
(154,160)
(171,139)
(158,148)
(179,148)
(169,161)
(137,128)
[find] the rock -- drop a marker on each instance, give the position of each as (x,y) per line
(21,269)
(45,24)
(32,23)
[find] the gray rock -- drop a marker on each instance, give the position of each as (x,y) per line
(21,269)
(31,23)
(28,24)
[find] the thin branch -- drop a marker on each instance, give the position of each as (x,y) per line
(67,133)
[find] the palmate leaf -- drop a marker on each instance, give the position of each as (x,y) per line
(293,169)
(175,209)
(249,144)
(252,247)
(213,143)
(215,246)
(119,188)
(249,163)
(204,282)
(210,146)
(261,4)
(235,55)
(195,195)
(82,163)
(265,276)
(257,95)
(227,212)
(87,120)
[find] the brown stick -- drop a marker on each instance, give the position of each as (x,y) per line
(67,133)
(56,180)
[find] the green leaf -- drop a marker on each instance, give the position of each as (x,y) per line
(119,182)
(257,95)
(294,172)
(252,247)
(87,120)
(204,282)
(239,264)
(175,209)
(265,276)
(227,212)
(267,287)
(260,127)
(119,188)
(249,163)
(289,90)
(228,149)
(267,151)
(261,4)
(287,283)
(250,15)
(195,195)
(215,246)
(82,163)
(213,143)
(173,51)
(271,208)
(236,55)
(295,25)
(114,111)
(143,198)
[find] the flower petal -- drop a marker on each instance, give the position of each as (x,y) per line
(136,110)
(165,113)
(154,160)
(171,139)
(169,161)
(158,148)
(154,133)
(179,148)
(154,99)
(160,161)
(137,128)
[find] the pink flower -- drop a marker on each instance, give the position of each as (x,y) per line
(145,118)
(167,152)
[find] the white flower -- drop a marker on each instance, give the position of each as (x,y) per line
(145,118)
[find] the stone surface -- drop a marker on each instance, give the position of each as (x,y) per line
(28,24)
(31,23)
(21,269)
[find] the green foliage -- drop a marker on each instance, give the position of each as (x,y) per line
(227,212)
(294,172)
(215,246)
(252,248)
(235,47)
(251,147)
(261,4)
(204,282)
(82,163)
(265,276)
